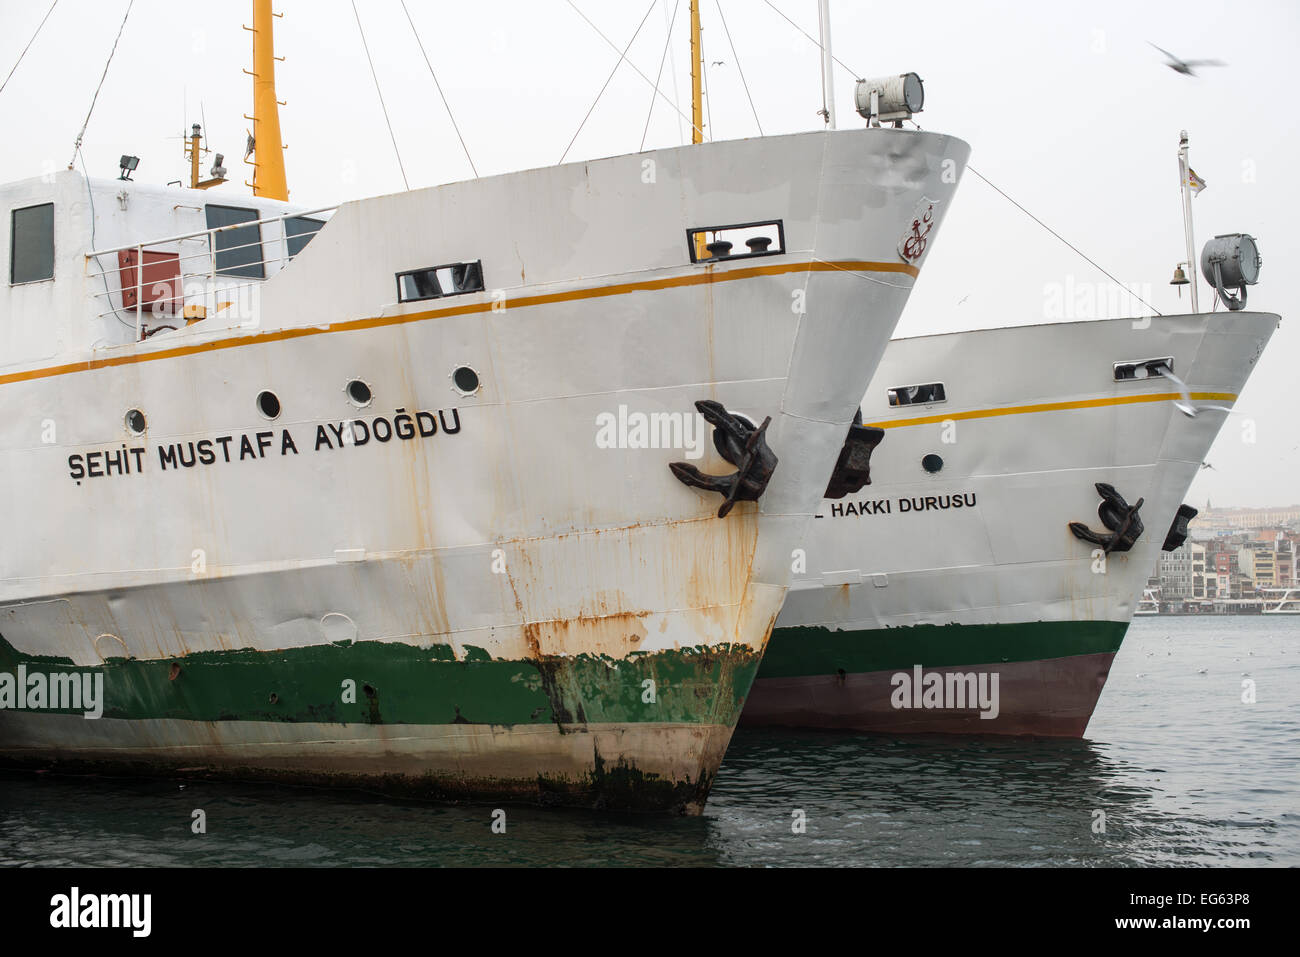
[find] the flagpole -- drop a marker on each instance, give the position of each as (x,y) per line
(1184,170)
(828,77)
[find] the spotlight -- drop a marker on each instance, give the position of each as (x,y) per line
(889,98)
(1231,259)
(128,164)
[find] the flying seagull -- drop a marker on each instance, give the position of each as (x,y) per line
(1186,67)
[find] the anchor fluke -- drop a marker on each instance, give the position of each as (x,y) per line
(741,444)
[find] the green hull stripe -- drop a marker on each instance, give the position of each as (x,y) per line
(804,651)
(402,684)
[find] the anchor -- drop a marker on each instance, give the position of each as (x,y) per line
(853,468)
(1177,533)
(1117,515)
(743,446)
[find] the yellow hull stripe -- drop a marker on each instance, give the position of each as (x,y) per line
(700,278)
(1053,407)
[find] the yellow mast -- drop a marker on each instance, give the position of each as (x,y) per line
(268,165)
(697,105)
(697,93)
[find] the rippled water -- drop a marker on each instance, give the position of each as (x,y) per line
(1183,770)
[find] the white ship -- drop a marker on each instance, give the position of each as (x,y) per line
(956,571)
(1149,603)
(381,495)
(1280,601)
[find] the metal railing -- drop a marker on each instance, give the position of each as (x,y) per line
(191,283)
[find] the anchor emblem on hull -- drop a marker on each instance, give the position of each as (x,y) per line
(741,444)
(1118,516)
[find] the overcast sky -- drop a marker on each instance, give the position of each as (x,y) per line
(1066,108)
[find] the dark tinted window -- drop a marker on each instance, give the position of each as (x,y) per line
(435,282)
(917,394)
(300,231)
(239,251)
(31,244)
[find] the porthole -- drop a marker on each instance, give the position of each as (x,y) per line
(465,380)
(358,393)
(268,403)
(135,422)
(932,463)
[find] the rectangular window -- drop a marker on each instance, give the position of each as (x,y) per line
(299,231)
(741,241)
(436,282)
(239,251)
(917,394)
(1143,368)
(31,244)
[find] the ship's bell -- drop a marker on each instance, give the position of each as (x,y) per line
(1180,277)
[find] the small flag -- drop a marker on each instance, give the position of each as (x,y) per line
(1195,182)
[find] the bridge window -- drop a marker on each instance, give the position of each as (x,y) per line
(299,231)
(435,282)
(31,244)
(238,251)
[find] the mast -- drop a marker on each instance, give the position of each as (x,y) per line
(1184,171)
(828,79)
(194,156)
(697,92)
(268,164)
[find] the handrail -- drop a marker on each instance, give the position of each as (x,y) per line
(209,272)
(215,229)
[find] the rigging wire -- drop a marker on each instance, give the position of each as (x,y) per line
(76,147)
(667,43)
(815,41)
(631,64)
(617,63)
(677,96)
(735,56)
(1077,250)
(103,274)
(382,105)
(705,89)
(29,45)
(440,93)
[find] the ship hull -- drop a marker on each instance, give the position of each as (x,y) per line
(971,571)
(499,591)
(564,712)
(1048,689)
